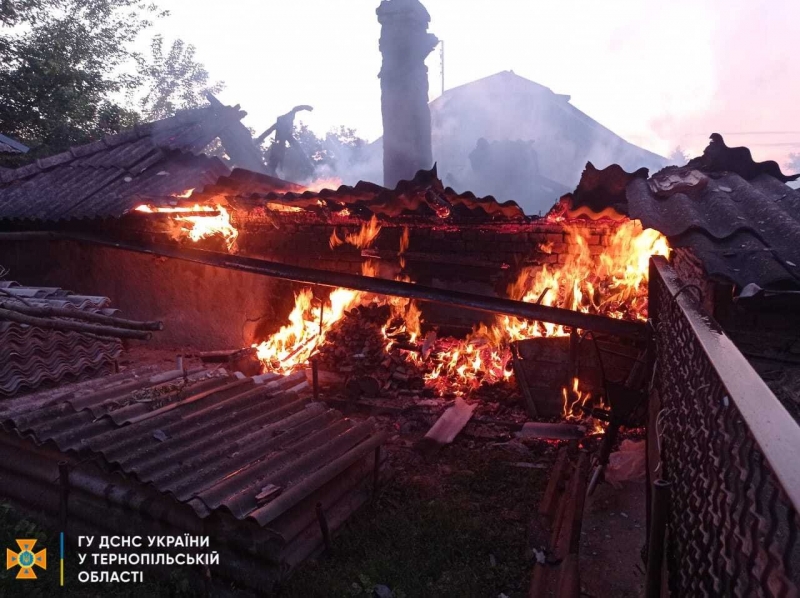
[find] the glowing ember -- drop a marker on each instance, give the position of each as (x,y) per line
(279,207)
(320,184)
(613,284)
(574,399)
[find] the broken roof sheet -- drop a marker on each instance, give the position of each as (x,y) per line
(739,217)
(111,176)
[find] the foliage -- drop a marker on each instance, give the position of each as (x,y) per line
(316,157)
(63,66)
(794,163)
(69,73)
(678,157)
(174,80)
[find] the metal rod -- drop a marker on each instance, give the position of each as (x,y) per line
(658,531)
(64,312)
(70,325)
(63,506)
(315,377)
(323,527)
(376,472)
(495,305)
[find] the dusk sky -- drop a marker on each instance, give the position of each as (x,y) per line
(660,74)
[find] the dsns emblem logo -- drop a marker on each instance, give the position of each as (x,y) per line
(26,559)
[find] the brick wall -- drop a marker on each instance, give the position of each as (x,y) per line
(497,248)
(482,259)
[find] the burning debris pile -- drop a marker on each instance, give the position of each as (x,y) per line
(377,345)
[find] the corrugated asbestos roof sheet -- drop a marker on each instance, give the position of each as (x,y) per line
(31,357)
(217,441)
(422,197)
(743,231)
(738,216)
(113,175)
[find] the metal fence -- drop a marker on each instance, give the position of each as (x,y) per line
(731,452)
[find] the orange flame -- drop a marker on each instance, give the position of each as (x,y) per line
(274,206)
(610,280)
(293,344)
(405,241)
(217,222)
(362,239)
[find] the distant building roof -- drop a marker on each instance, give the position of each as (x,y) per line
(111,176)
(11,146)
(508,106)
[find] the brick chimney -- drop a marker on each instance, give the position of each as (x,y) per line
(405,43)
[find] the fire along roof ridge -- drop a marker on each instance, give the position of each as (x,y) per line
(104,178)
(370,198)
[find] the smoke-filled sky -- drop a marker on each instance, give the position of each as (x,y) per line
(660,74)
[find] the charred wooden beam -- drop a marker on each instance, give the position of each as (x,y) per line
(69,325)
(49,311)
(379,286)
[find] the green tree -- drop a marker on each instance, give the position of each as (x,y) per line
(174,80)
(65,67)
(69,73)
(320,157)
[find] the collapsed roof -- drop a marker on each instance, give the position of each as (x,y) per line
(162,163)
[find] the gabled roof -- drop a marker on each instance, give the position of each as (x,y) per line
(113,175)
(506,106)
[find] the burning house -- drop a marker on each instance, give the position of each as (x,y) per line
(290,316)
(552,315)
